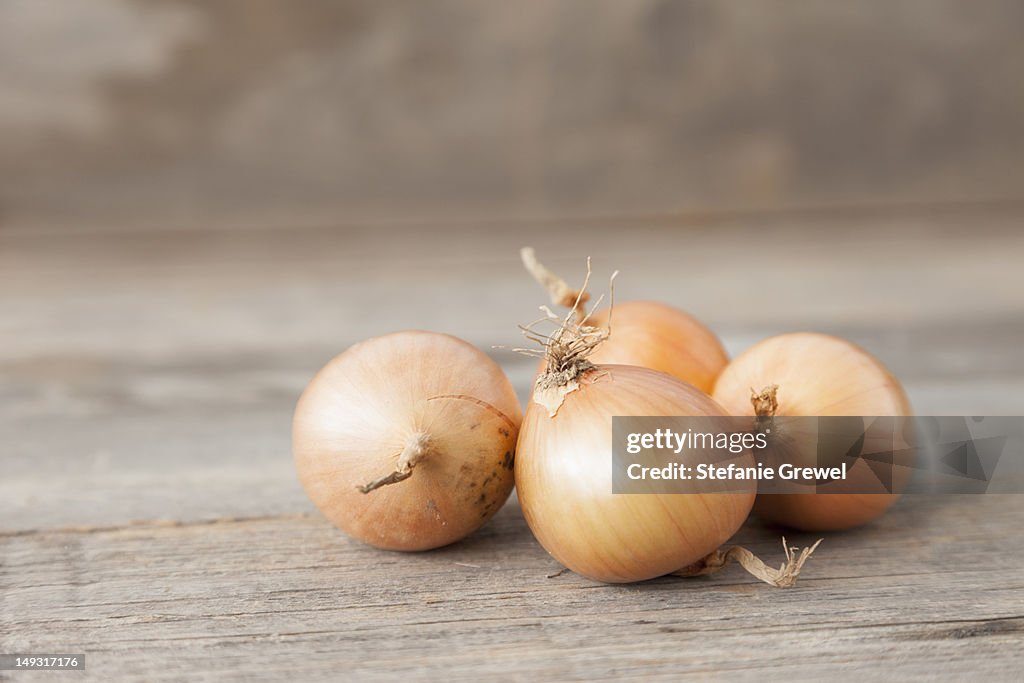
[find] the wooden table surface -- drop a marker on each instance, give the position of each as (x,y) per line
(150,516)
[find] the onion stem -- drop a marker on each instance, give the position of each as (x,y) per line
(415,450)
(558,289)
(766,404)
(783,577)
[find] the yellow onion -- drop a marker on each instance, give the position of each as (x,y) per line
(647,334)
(564,466)
(809,375)
(654,335)
(407,441)
(564,478)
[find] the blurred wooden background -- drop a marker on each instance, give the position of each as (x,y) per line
(202,201)
(270,111)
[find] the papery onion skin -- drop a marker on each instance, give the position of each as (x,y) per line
(650,334)
(368,403)
(817,375)
(564,482)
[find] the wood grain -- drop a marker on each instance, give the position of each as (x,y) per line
(932,589)
(150,515)
(153,376)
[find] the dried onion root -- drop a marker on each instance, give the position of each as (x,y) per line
(648,334)
(783,577)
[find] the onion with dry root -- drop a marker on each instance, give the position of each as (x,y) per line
(810,375)
(407,441)
(564,472)
(648,334)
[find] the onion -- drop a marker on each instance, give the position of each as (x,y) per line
(564,473)
(647,334)
(407,441)
(807,374)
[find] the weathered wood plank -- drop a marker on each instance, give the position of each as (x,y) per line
(933,589)
(214,444)
(193,291)
(153,376)
(399,110)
